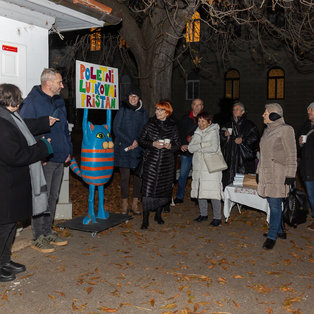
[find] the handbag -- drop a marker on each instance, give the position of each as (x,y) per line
(214,161)
(295,208)
(138,171)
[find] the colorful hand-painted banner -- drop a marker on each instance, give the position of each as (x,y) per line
(97,86)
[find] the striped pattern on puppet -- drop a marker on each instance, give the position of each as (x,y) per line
(97,165)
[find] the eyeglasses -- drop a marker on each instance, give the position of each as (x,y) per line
(133,96)
(159,109)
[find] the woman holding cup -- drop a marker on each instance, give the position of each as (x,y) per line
(160,138)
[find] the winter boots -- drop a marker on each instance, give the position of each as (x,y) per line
(124,206)
(135,209)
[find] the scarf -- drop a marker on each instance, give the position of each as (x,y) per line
(38,181)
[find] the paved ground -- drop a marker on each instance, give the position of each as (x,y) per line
(180,267)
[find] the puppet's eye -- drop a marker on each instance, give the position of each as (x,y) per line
(108,135)
(100,135)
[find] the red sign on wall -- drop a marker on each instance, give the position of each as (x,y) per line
(9,48)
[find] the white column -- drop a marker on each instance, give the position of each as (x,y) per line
(64,206)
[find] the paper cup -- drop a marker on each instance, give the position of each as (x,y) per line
(167,141)
(230,131)
(304,138)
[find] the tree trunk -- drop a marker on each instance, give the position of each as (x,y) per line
(155,85)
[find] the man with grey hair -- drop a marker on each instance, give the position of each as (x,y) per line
(187,126)
(306,147)
(45,100)
(239,143)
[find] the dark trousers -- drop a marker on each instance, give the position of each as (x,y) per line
(42,224)
(125,181)
(7,234)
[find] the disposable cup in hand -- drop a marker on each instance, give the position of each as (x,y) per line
(167,141)
(304,137)
(230,131)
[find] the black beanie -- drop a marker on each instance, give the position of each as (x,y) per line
(135,91)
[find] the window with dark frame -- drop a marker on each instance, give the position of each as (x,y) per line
(192,89)
(193,29)
(276,83)
(95,39)
(232,84)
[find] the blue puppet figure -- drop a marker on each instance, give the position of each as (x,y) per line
(97,157)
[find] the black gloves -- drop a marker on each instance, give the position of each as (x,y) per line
(257,178)
(289,181)
(273,116)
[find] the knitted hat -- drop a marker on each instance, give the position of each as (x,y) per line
(135,91)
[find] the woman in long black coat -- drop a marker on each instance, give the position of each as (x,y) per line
(239,143)
(160,138)
(127,126)
(16,197)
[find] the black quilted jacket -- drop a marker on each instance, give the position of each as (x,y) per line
(159,167)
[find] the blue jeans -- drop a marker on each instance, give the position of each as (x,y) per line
(42,224)
(310,192)
(275,205)
(186,162)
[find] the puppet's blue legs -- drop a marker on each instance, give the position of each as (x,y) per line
(91,214)
(102,214)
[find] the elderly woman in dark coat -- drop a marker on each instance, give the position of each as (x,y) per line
(23,189)
(276,169)
(239,142)
(160,138)
(127,126)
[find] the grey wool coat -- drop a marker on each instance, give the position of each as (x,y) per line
(278,159)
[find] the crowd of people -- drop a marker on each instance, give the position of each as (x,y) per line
(35,145)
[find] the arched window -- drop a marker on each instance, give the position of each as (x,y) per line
(276,83)
(95,39)
(232,84)
(192,90)
(193,29)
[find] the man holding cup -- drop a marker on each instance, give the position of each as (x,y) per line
(306,145)
(239,143)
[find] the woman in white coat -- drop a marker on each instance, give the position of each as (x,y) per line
(206,185)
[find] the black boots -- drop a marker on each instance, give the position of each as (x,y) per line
(145,219)
(158,216)
(269,244)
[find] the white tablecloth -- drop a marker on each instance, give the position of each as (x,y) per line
(244,196)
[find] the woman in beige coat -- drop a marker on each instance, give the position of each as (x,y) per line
(206,185)
(277,167)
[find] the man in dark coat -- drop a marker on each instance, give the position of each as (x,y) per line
(239,142)
(127,125)
(45,100)
(187,126)
(306,145)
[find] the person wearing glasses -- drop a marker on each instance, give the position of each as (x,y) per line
(160,138)
(45,100)
(127,125)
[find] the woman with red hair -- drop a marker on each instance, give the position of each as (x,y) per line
(160,138)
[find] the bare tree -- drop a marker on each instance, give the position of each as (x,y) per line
(154,31)
(153,28)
